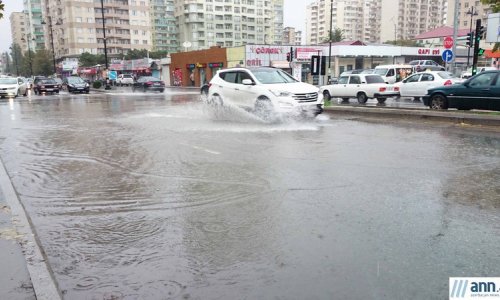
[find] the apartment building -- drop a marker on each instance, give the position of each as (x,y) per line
(468,10)
(35,35)
(346,15)
(75,27)
(18,26)
(374,21)
(164,26)
(227,23)
(292,37)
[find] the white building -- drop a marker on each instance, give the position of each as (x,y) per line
(206,23)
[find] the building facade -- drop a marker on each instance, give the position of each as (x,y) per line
(75,27)
(18,26)
(467,10)
(206,23)
(164,25)
(35,35)
(292,37)
(374,21)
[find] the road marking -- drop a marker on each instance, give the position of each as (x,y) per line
(41,275)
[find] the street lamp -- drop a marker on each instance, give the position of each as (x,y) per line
(472,13)
(105,47)
(52,40)
(28,39)
(330,44)
(14,54)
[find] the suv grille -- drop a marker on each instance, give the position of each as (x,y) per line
(309,97)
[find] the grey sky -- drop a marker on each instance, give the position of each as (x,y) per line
(294,16)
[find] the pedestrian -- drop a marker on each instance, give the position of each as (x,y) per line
(191,76)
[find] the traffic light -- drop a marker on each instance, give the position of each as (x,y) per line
(291,54)
(480,52)
(479,31)
(470,39)
(288,56)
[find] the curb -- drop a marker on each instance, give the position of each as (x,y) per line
(417,114)
(41,275)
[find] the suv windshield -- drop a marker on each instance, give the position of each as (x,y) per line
(8,81)
(75,80)
(47,81)
(271,76)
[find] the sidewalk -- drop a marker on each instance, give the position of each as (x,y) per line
(484,118)
(15,282)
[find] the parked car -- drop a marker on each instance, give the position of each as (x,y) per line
(59,82)
(45,85)
(394,73)
(265,91)
(148,83)
(12,86)
(481,91)
(125,79)
(416,85)
(76,84)
(360,86)
(425,65)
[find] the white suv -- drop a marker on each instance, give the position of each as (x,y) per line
(125,79)
(265,91)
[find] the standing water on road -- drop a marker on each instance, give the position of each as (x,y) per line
(151,198)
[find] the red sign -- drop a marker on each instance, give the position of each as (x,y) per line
(448,42)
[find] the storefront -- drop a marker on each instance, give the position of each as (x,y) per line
(196,68)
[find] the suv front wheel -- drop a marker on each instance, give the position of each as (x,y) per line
(439,101)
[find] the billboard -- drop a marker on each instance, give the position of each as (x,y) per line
(493,29)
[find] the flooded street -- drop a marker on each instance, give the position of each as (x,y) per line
(147,196)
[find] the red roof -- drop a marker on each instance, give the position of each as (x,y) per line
(346,43)
(441,32)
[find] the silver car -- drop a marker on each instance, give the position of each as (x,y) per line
(12,87)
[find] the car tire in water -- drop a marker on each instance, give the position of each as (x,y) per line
(345,99)
(362,98)
(381,100)
(263,108)
(416,98)
(438,101)
(326,95)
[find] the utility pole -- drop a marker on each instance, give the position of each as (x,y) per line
(455,35)
(330,46)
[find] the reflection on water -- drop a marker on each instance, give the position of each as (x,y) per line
(151,198)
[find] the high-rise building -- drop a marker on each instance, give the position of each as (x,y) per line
(77,26)
(206,23)
(374,20)
(466,10)
(35,35)
(292,37)
(164,26)
(18,26)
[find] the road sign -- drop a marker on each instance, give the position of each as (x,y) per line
(447,55)
(448,42)
(112,75)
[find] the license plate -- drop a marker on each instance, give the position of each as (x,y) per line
(49,90)
(156,84)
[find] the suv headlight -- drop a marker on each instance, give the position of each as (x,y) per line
(281,93)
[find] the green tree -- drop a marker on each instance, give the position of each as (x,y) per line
(2,7)
(336,35)
(87,60)
(42,63)
(24,66)
(495,7)
(158,54)
(17,57)
(406,43)
(136,54)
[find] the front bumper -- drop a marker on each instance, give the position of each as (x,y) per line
(386,95)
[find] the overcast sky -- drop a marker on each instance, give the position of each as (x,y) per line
(294,14)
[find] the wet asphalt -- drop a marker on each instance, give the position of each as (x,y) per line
(155,196)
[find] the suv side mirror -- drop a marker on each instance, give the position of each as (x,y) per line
(247,82)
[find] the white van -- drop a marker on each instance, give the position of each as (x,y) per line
(394,73)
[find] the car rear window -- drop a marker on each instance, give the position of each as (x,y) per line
(374,79)
(445,75)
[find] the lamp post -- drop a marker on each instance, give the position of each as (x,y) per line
(28,40)
(472,13)
(52,41)
(14,56)
(330,44)
(105,46)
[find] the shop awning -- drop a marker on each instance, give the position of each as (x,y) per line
(282,64)
(491,54)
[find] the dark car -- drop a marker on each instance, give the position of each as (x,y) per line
(75,84)
(45,85)
(148,83)
(481,91)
